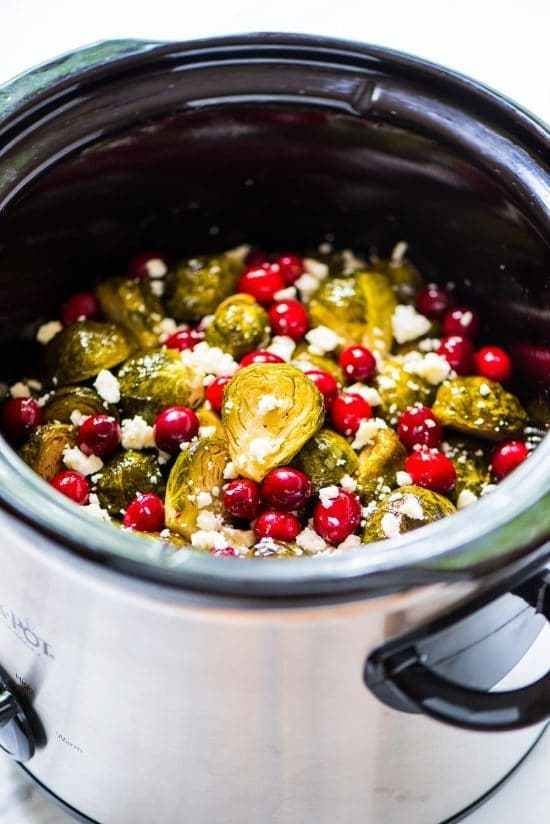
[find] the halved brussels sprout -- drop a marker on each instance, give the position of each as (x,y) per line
(209,418)
(479,407)
(43,452)
(197,286)
(199,468)
(399,389)
(157,379)
(269,411)
(124,476)
(378,463)
(409,507)
(131,304)
(239,326)
(380,303)
(339,303)
(326,457)
(83,349)
(471,464)
(302,355)
(67,399)
(405,278)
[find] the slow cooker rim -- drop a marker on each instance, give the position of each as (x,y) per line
(527,488)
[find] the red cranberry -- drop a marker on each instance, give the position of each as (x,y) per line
(99,435)
(458,352)
(347,412)
(433,301)
(357,362)
(82,306)
(326,385)
(533,361)
(241,498)
(418,426)
(226,552)
(338,519)
(261,284)
(72,484)
(431,469)
(260,356)
(19,417)
(286,488)
(173,426)
(493,363)
(290,266)
(147,265)
(282,526)
(184,339)
(214,392)
(506,457)
(289,317)
(145,513)
(461,321)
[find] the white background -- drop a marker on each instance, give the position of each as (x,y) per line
(504,43)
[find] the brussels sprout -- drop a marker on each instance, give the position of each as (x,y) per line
(43,452)
(124,476)
(539,410)
(240,325)
(405,278)
(197,286)
(303,356)
(339,303)
(378,463)
(209,418)
(405,509)
(199,468)
(269,411)
(471,464)
(273,550)
(380,303)
(131,303)
(479,407)
(83,349)
(157,379)
(399,389)
(343,262)
(326,458)
(67,399)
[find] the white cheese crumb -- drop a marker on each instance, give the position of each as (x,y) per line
(315,268)
(94,508)
(43,399)
(484,390)
(327,494)
(390,524)
(77,418)
(164,533)
(261,447)
(136,433)
(34,384)
(206,322)
(209,520)
(266,547)
(203,499)
(166,327)
(408,324)
(432,367)
(107,386)
(403,478)
(211,360)
(208,539)
(309,540)
(230,472)
(465,498)
(48,331)
(73,458)
(398,253)
(411,506)
(268,403)
(156,268)
(350,262)
(207,431)
(429,344)
(283,346)
(20,390)
(367,431)
(321,340)
(351,542)
(369,393)
(163,457)
(306,285)
(157,288)
(348,483)
(286,294)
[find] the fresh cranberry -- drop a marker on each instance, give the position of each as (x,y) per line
(357,362)
(184,339)
(506,457)
(148,265)
(214,392)
(533,361)
(433,301)
(145,513)
(347,412)
(326,385)
(72,484)
(226,552)
(493,363)
(262,284)
(337,519)
(290,266)
(260,356)
(431,469)
(418,426)
(461,321)
(286,488)
(173,426)
(458,352)
(82,306)
(99,435)
(289,317)
(282,526)
(241,498)
(19,417)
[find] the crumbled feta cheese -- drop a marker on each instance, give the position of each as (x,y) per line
(309,540)
(321,340)
(390,524)
(136,433)
(432,367)
(411,506)
(94,508)
(207,431)
(398,253)
(157,288)
(465,498)
(156,268)
(48,331)
(211,360)
(20,390)
(408,324)
(348,483)
(484,390)
(163,457)
(403,478)
(208,539)
(384,382)
(369,393)
(367,431)
(203,499)
(43,399)
(266,547)
(260,447)
(73,458)
(306,285)
(350,262)
(164,533)
(325,248)
(230,472)
(286,294)
(283,346)
(206,322)
(268,403)
(107,386)
(351,542)
(315,268)
(77,418)
(209,520)
(327,494)
(429,344)
(34,384)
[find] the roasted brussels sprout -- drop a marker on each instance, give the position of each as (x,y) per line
(405,278)
(197,286)
(131,304)
(339,303)
(198,469)
(155,380)
(399,389)
(303,356)
(405,509)
(43,452)
(380,303)
(127,474)
(239,326)
(209,418)
(83,349)
(67,399)
(342,263)
(275,550)
(471,464)
(479,407)
(269,411)
(539,410)
(326,457)
(378,463)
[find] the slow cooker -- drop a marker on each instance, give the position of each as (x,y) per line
(142,684)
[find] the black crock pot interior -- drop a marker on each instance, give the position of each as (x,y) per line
(278,141)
